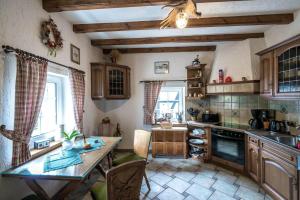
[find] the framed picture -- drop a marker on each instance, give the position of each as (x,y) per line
(75,54)
(161,67)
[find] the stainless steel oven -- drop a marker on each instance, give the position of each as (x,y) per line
(228,145)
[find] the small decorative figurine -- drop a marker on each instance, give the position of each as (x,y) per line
(196,61)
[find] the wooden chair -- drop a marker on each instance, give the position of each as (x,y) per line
(122,182)
(140,150)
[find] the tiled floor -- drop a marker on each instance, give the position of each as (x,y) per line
(173,179)
(178,179)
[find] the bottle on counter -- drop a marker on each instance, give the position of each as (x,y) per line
(298,142)
(221,76)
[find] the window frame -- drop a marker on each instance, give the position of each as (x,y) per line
(60,87)
(181,101)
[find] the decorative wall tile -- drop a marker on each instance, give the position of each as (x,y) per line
(289,110)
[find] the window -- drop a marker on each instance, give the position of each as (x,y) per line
(51,113)
(170,103)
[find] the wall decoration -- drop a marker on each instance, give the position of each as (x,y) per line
(51,37)
(75,54)
(161,67)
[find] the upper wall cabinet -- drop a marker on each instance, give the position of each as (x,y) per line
(280,70)
(266,74)
(110,81)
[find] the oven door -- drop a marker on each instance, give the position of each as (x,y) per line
(228,148)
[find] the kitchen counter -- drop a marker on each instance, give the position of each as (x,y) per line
(246,129)
(169,129)
(260,134)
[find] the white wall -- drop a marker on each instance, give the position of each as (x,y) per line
(280,33)
(238,59)
(20,27)
(129,113)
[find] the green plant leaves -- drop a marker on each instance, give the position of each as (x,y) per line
(70,136)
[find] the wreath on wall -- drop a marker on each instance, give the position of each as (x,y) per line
(51,36)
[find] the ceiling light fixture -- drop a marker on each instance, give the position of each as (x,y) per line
(182,20)
(179,16)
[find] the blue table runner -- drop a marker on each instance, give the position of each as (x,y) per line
(71,157)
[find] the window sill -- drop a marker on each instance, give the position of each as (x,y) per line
(35,153)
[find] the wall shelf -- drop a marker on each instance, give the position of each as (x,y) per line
(237,87)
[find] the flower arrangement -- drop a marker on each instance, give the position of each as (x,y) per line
(68,144)
(194,113)
(70,136)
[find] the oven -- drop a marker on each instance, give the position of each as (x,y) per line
(228,145)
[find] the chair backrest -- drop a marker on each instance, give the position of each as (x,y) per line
(124,181)
(141,143)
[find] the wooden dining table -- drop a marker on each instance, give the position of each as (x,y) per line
(75,175)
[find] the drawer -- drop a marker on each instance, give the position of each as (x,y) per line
(280,153)
(253,140)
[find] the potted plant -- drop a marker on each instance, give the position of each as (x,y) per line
(194,113)
(68,143)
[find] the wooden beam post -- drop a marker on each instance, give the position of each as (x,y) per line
(162,49)
(193,23)
(69,5)
(177,39)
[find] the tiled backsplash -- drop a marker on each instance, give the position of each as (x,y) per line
(237,109)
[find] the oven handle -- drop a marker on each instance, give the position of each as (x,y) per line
(227,137)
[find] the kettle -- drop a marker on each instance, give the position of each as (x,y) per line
(255,124)
(275,126)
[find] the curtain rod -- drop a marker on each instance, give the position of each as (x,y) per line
(151,81)
(8,49)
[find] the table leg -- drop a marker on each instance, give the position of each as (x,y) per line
(37,189)
(66,190)
(109,159)
(101,170)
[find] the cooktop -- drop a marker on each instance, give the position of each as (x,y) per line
(232,125)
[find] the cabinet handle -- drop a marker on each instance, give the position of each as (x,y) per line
(295,182)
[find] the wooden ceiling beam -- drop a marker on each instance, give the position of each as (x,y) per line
(193,23)
(162,49)
(69,5)
(177,39)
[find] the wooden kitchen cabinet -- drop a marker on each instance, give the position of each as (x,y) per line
(266,74)
(169,142)
(97,80)
(253,159)
(287,70)
(280,70)
(278,176)
(110,81)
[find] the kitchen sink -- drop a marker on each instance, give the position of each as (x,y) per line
(284,139)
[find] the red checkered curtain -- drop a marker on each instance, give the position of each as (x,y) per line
(30,87)
(78,93)
(151,93)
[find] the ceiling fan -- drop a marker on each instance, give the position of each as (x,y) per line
(182,11)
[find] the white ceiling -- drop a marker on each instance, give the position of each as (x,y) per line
(155,13)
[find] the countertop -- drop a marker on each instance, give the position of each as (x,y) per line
(258,133)
(170,129)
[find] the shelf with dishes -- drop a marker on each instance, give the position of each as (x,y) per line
(198,144)
(195,81)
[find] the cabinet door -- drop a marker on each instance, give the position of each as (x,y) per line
(278,177)
(97,81)
(287,70)
(266,74)
(253,162)
(128,83)
(116,80)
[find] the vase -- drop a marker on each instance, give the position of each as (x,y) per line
(67,145)
(193,118)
